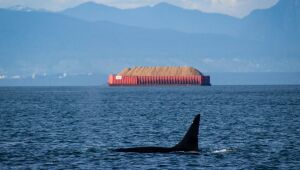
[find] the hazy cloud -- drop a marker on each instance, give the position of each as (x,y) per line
(231,7)
(33,76)
(231,65)
(2,76)
(16,77)
(208,60)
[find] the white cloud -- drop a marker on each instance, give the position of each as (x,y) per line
(231,7)
(238,8)
(64,75)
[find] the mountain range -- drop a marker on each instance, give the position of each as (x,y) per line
(281,21)
(94,38)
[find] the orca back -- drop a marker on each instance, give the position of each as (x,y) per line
(190,139)
(188,143)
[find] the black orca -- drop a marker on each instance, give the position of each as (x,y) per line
(189,143)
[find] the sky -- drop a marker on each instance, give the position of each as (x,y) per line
(237,8)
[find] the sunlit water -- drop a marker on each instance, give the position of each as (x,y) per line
(242,127)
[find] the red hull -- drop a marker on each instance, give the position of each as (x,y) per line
(115,80)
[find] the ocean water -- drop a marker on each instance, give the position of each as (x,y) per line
(241,127)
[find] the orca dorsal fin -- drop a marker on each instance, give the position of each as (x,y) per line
(190,139)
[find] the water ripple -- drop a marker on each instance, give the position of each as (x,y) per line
(242,127)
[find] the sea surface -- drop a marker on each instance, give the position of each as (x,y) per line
(241,127)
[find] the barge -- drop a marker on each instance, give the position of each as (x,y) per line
(139,76)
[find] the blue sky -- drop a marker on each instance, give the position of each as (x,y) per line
(238,8)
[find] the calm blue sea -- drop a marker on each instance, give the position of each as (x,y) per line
(242,127)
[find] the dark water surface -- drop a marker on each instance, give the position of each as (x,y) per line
(242,127)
